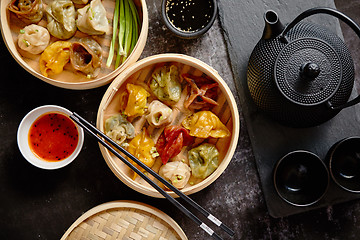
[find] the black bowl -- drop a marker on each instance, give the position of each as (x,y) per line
(301,178)
(344,164)
(189,19)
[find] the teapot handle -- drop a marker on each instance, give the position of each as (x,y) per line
(339,15)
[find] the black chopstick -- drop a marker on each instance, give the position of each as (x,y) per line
(93,131)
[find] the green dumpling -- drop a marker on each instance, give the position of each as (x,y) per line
(61,19)
(119,129)
(165,84)
(203,160)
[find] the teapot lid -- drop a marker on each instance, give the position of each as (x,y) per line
(308,71)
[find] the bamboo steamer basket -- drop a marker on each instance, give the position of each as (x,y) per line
(141,72)
(124,220)
(70,79)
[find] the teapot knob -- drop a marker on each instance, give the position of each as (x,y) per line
(309,71)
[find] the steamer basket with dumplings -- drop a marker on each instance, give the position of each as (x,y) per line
(70,78)
(142,75)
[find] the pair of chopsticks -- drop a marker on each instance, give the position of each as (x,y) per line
(100,136)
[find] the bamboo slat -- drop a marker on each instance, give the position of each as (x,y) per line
(126,220)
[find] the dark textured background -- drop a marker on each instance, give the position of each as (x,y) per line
(270,140)
(39,204)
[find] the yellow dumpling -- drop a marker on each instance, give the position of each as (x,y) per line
(54,58)
(205,124)
(137,99)
(142,147)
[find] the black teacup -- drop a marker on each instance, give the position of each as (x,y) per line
(301,178)
(344,164)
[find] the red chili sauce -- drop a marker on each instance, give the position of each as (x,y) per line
(53,136)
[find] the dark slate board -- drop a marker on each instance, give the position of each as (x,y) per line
(243,25)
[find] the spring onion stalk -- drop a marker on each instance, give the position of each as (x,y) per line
(122,31)
(126,24)
(113,40)
(135,24)
(129,29)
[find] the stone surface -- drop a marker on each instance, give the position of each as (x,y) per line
(243,25)
(38,204)
(269,139)
(351,8)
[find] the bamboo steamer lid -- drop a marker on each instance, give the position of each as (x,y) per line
(124,220)
(140,73)
(70,79)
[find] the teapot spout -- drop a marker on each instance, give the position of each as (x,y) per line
(273,26)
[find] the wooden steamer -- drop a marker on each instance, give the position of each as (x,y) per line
(124,220)
(139,73)
(11,25)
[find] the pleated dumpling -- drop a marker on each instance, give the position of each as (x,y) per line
(204,160)
(92,19)
(178,173)
(159,114)
(30,11)
(86,56)
(61,16)
(33,38)
(54,58)
(119,129)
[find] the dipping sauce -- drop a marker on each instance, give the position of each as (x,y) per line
(53,136)
(189,15)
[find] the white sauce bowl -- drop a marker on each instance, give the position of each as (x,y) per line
(23,142)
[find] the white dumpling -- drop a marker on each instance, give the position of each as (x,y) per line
(92,19)
(178,173)
(159,114)
(34,39)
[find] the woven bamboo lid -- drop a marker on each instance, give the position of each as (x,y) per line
(70,79)
(127,220)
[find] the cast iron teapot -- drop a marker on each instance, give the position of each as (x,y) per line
(301,74)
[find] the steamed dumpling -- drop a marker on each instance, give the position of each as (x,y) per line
(159,114)
(33,39)
(92,19)
(54,58)
(203,160)
(30,11)
(178,173)
(61,19)
(86,56)
(165,84)
(119,129)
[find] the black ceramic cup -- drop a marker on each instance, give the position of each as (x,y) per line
(301,178)
(189,19)
(344,164)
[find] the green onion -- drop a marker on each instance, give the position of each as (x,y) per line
(121,33)
(27,44)
(22,31)
(135,24)
(126,28)
(129,28)
(113,40)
